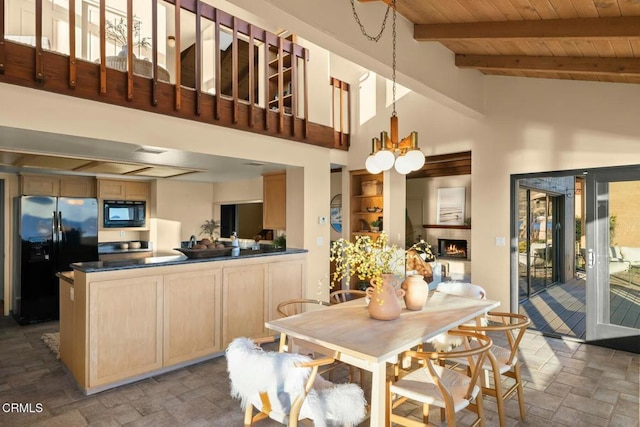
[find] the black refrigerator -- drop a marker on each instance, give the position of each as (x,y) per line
(53,232)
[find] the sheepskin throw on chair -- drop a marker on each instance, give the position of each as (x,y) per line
(253,371)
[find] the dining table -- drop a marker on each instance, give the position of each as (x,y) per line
(355,338)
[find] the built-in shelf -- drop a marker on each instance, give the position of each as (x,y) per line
(451,227)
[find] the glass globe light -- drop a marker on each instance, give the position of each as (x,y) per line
(403,165)
(372,165)
(416,159)
(384,159)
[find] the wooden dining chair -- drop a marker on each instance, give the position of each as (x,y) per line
(344,295)
(436,385)
(502,360)
(286,387)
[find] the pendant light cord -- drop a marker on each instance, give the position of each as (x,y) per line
(375,38)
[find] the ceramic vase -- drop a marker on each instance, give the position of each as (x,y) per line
(385,298)
(416,292)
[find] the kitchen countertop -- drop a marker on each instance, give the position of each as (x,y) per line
(67,276)
(98,266)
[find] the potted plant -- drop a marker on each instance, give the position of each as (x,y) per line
(116,31)
(209,228)
(375,225)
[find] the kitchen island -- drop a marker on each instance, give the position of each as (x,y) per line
(121,321)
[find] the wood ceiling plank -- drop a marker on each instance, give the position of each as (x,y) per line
(629,7)
(421,12)
(554,29)
(570,47)
(564,9)
(539,48)
(622,48)
(483,11)
(604,48)
(544,9)
(526,10)
(607,8)
(556,48)
(552,64)
(585,8)
(586,47)
(508,10)
(453,11)
(635,46)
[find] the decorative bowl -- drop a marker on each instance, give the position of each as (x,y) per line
(135,245)
(205,253)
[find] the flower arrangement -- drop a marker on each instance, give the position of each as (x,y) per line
(366,258)
(370,259)
(209,228)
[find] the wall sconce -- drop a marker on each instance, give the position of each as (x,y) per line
(171,41)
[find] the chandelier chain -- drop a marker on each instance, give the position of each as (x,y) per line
(393,66)
(362,29)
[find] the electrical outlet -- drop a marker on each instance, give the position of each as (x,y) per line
(122,233)
(322,220)
(500,241)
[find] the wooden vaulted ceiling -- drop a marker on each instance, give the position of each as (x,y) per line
(596,40)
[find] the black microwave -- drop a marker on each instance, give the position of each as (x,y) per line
(124,213)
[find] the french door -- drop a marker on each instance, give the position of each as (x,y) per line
(612,257)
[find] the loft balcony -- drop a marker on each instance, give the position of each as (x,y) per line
(189,60)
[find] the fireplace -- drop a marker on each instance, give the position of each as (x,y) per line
(451,248)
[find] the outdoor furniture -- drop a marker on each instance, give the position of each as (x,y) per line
(370,344)
(286,387)
(436,385)
(503,361)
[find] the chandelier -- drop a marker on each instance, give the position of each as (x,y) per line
(388,150)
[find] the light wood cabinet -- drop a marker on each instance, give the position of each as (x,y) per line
(127,255)
(67,323)
(125,326)
(285,283)
(244,296)
(192,315)
(123,190)
(53,185)
(274,200)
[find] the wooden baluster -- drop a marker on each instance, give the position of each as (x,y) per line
(234,69)
(3,55)
(154,52)
(341,112)
(39,70)
(216,63)
(177,55)
(334,84)
(252,83)
(305,59)
(103,48)
(294,88)
(72,44)
(129,50)
(280,84)
(198,70)
(343,138)
(266,81)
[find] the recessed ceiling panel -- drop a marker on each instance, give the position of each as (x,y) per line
(163,172)
(49,162)
(115,168)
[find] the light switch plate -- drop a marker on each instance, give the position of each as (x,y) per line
(500,241)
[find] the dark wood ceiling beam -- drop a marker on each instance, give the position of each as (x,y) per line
(551,29)
(552,64)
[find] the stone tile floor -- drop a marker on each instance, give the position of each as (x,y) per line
(567,383)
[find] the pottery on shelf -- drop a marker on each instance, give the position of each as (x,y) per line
(416,292)
(385,298)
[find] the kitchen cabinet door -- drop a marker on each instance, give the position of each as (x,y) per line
(125,328)
(77,187)
(67,324)
(111,189)
(39,185)
(274,201)
(244,296)
(192,315)
(137,190)
(286,281)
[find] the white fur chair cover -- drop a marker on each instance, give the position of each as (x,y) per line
(253,370)
(446,342)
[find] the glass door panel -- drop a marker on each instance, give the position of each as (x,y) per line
(613,255)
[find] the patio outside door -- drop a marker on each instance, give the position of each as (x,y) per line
(613,242)
(537,241)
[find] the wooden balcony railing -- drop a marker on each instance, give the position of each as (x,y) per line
(276,104)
